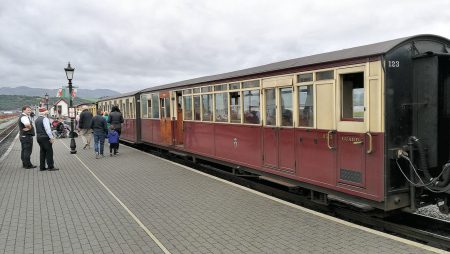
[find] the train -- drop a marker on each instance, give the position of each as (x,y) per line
(366,126)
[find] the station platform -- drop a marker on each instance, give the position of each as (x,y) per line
(138,203)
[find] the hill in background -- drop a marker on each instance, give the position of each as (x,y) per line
(16,102)
(81,93)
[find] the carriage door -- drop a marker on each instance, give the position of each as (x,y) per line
(278,131)
(351,127)
(270,130)
(178,126)
(165,121)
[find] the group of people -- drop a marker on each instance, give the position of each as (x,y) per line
(44,136)
(102,126)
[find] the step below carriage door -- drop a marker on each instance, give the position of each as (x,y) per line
(351,126)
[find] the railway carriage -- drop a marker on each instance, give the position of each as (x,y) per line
(366,125)
(127,105)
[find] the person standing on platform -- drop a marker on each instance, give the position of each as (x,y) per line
(45,140)
(113,139)
(26,136)
(84,127)
(116,120)
(98,124)
(106,116)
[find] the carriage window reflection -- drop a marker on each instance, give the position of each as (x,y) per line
(353,96)
(270,107)
(221,109)
(306,106)
(197,107)
(187,101)
(251,106)
(235,107)
(155,106)
(286,106)
(144,106)
(207,105)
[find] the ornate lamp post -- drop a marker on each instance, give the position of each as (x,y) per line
(69,73)
(46,100)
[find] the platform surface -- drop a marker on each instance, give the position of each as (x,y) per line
(138,203)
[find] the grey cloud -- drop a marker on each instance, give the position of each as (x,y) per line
(130,45)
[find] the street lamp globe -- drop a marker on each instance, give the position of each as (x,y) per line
(69,71)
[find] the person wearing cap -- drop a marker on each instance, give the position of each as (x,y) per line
(45,140)
(26,136)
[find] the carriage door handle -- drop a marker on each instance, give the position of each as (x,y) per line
(370,143)
(328,140)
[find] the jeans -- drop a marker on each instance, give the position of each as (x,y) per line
(99,143)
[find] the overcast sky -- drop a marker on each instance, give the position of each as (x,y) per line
(134,44)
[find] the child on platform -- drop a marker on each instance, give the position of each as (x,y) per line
(113,139)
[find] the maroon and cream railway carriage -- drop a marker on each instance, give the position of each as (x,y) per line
(127,105)
(342,124)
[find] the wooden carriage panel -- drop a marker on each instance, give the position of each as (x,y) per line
(199,137)
(316,163)
(147,130)
(239,144)
(286,150)
(129,130)
(156,131)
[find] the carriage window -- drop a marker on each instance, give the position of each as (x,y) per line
(353,96)
(165,107)
(270,107)
(235,107)
(206,89)
(286,106)
(220,88)
(324,75)
(221,108)
(197,107)
(127,108)
(143,106)
(131,110)
(149,105)
(306,77)
(187,101)
(251,106)
(196,90)
(207,105)
(306,106)
(250,84)
(234,86)
(187,91)
(155,106)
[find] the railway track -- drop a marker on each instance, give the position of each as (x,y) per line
(426,230)
(7,134)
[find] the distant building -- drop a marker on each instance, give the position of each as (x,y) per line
(91,107)
(59,109)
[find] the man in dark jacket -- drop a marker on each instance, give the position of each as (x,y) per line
(45,140)
(116,120)
(98,124)
(84,127)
